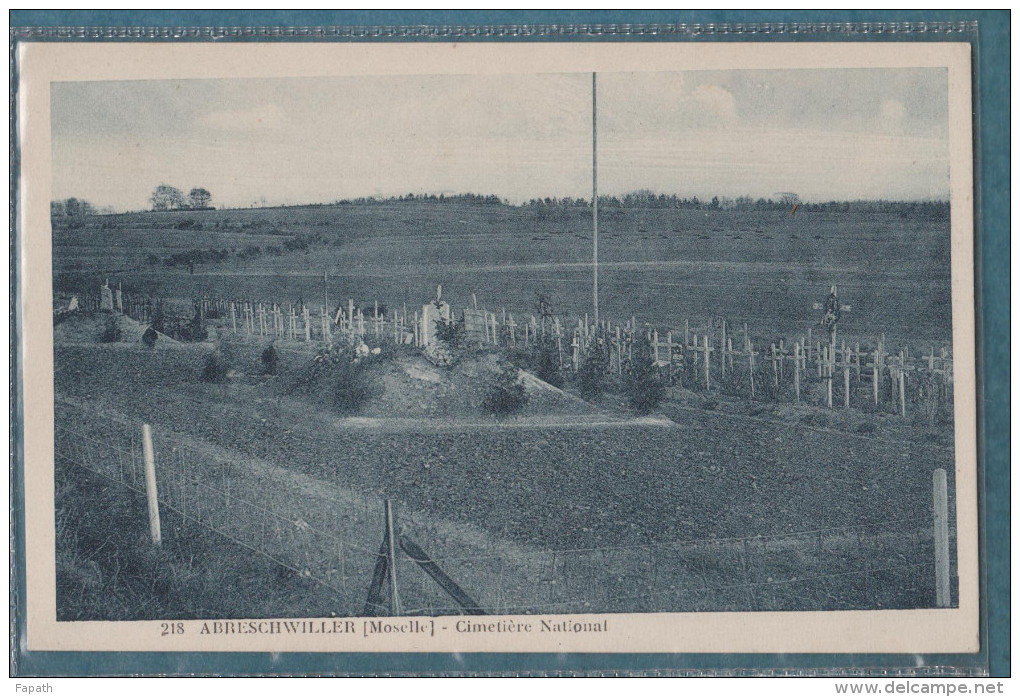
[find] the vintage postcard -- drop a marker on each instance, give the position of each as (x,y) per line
(589,347)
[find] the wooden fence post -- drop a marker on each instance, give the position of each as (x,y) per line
(233,317)
(150,484)
(941,538)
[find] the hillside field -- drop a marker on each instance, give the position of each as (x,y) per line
(663,266)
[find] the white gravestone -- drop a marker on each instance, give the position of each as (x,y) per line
(436,311)
(105,298)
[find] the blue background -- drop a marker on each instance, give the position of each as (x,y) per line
(991,68)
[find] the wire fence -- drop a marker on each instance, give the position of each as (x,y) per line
(331,535)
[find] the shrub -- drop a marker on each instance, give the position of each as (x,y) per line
(215,368)
(507,394)
(250,252)
(591,374)
(341,377)
(111,333)
(547,361)
(149,337)
(295,243)
(451,333)
(194,330)
(270,360)
(643,388)
(351,386)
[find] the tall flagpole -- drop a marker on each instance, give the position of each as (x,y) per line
(594,201)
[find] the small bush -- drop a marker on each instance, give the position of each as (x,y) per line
(547,361)
(111,332)
(451,333)
(507,394)
(591,374)
(158,319)
(340,377)
(215,368)
(296,243)
(351,386)
(270,360)
(643,388)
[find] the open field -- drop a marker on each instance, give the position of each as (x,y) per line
(766,268)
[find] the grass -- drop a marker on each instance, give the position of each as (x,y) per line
(107,568)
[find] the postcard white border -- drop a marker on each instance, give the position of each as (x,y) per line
(894,631)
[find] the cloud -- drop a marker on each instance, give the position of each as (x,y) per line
(258,118)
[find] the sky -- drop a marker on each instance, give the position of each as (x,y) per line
(832,134)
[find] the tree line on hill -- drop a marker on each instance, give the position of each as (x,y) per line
(170,198)
(783,201)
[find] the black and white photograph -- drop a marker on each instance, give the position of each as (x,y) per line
(505,349)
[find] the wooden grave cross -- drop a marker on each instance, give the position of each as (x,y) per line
(845,363)
(751,353)
(706,349)
(833,311)
(559,339)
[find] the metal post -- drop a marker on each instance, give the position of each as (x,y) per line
(391,558)
(941,538)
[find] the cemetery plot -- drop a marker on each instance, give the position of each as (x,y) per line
(705,444)
(617,484)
